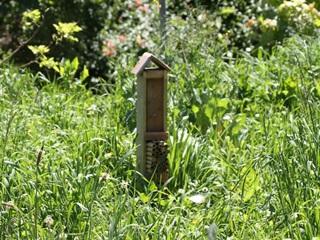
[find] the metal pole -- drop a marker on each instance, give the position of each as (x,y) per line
(162,13)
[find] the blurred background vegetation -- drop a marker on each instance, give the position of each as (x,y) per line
(112,28)
(243,111)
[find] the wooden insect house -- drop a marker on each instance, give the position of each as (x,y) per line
(152,135)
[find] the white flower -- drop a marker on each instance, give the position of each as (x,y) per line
(269,23)
(48,221)
(63,236)
(124,184)
(104,176)
(299,1)
(198,198)
(227,118)
(181,191)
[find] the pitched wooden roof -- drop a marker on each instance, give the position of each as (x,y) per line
(145,59)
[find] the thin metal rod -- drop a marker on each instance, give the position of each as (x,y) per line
(162,14)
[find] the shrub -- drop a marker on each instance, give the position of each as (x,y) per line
(249,24)
(90,15)
(127,27)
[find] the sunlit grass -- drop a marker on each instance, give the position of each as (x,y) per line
(243,139)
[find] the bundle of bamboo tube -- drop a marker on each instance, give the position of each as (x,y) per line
(156,155)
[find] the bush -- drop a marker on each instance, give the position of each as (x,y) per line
(113,29)
(90,15)
(134,31)
(248,25)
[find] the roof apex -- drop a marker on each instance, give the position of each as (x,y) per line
(145,59)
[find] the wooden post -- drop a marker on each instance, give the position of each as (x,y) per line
(141,122)
(152,135)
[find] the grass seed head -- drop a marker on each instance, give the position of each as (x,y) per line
(48,221)
(9,204)
(39,156)
(104,177)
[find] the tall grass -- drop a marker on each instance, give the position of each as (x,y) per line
(243,134)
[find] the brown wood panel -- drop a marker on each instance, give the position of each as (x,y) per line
(155,73)
(141,122)
(155,105)
(156,136)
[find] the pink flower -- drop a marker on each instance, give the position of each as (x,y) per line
(144,8)
(110,52)
(138,2)
(122,38)
(110,44)
(140,42)
(110,49)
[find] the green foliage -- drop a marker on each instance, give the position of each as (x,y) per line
(48,63)
(66,31)
(243,138)
(66,69)
(63,31)
(89,15)
(112,29)
(31,17)
(135,31)
(249,170)
(248,25)
(41,49)
(45,117)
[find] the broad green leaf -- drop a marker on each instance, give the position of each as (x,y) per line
(75,63)
(223,103)
(318,88)
(162,202)
(227,10)
(84,74)
(260,53)
(61,70)
(66,30)
(195,108)
(41,49)
(238,123)
(31,16)
(49,63)
(144,198)
(317,22)
(152,187)
(291,82)
(209,110)
(251,182)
